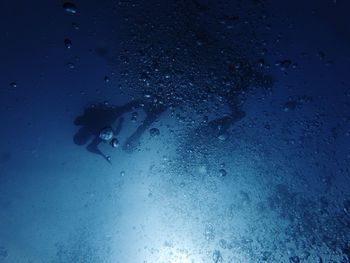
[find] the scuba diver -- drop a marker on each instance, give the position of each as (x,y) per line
(97,123)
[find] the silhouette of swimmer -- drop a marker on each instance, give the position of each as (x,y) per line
(97,124)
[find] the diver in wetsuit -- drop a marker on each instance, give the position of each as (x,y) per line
(97,121)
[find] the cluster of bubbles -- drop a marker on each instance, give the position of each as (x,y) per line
(178,61)
(70,8)
(81,246)
(107,135)
(175,60)
(181,62)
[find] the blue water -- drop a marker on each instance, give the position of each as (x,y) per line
(231,128)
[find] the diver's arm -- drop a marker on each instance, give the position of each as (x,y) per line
(119,126)
(93,147)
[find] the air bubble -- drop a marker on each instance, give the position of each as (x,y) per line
(75,26)
(223,137)
(70,65)
(217,256)
(70,7)
(154,132)
(68,43)
(209,233)
(134,116)
(222,172)
(294,259)
(115,143)
(106,134)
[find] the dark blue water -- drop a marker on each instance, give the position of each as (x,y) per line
(174,131)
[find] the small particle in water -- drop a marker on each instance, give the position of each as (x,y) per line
(115,143)
(294,259)
(267,126)
(222,172)
(290,105)
(108,158)
(347,206)
(70,7)
(223,243)
(261,62)
(75,25)
(321,55)
(134,116)
(223,137)
(284,64)
(67,43)
(266,255)
(122,173)
(13,85)
(70,65)
(154,132)
(106,79)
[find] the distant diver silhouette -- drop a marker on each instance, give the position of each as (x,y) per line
(97,124)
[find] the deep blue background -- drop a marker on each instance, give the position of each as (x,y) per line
(60,203)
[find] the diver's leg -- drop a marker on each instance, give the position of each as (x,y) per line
(120,110)
(119,126)
(152,113)
(93,147)
(82,136)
